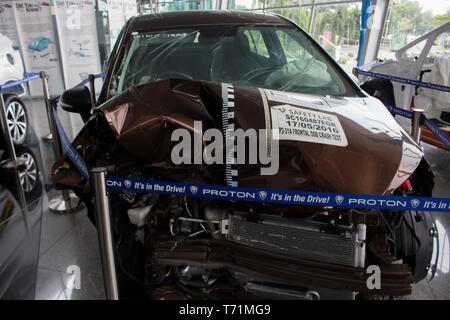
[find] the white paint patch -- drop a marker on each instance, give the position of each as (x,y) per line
(297,99)
(294,123)
(411,156)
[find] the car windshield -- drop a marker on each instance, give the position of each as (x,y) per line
(272,57)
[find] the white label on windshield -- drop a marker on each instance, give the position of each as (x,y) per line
(294,123)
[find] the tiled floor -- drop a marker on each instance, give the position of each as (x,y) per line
(71,239)
(68,240)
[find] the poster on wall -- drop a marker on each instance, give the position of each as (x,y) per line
(77,32)
(129,8)
(7,23)
(38,43)
(116,19)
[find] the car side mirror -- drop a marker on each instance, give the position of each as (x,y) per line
(77,100)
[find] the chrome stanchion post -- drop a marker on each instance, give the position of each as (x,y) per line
(13,164)
(92,89)
(416,124)
(49,137)
(103,222)
(51,121)
(67,202)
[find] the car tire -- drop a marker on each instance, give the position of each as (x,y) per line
(380,89)
(17,120)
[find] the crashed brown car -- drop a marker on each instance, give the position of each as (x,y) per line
(244,70)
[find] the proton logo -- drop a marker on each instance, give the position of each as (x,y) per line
(415,203)
(339,199)
(262,195)
(127,184)
(193,189)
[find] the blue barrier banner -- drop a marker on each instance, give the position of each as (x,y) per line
(28,74)
(438,133)
(68,149)
(32,76)
(401,112)
(86,80)
(428,123)
(27,77)
(403,80)
(319,199)
(82,83)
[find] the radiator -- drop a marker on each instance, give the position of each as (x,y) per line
(298,238)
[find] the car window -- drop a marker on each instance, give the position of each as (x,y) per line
(415,51)
(293,50)
(439,47)
(256,42)
(272,57)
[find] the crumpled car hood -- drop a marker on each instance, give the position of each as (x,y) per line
(364,151)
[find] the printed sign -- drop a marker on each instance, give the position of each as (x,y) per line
(38,43)
(77,33)
(294,123)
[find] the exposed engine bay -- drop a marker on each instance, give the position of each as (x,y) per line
(195,248)
(171,247)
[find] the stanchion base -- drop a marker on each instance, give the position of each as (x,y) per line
(10,165)
(60,206)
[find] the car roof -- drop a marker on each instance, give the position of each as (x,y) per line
(196,18)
